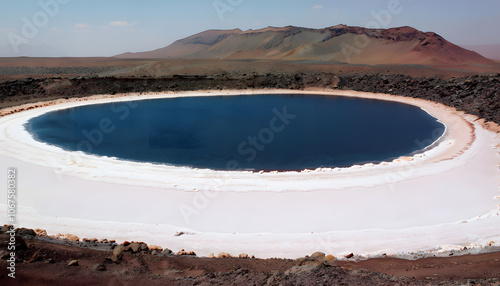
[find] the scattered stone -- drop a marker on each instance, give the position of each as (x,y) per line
(212,255)
(73,263)
(99,267)
(167,252)
(156,248)
(91,240)
(50,260)
(179,233)
(25,231)
(40,232)
(71,237)
(5,228)
(315,259)
(143,247)
(183,252)
(406,159)
(243,256)
(350,255)
(224,255)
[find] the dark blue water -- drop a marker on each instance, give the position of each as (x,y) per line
(258,132)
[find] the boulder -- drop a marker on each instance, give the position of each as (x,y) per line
(315,259)
(330,259)
(134,246)
(117,251)
(318,256)
(224,255)
(25,231)
(71,237)
(143,247)
(243,255)
(40,232)
(155,247)
(167,252)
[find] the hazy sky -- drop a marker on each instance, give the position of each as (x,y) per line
(110,27)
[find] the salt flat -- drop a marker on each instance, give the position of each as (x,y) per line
(443,198)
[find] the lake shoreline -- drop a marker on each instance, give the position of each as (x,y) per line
(464,141)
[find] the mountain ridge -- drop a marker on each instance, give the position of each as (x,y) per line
(340,43)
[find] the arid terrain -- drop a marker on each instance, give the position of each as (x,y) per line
(340,44)
(43,260)
(294,58)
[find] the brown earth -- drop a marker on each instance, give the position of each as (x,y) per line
(42,260)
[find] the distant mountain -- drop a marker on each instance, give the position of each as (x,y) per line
(489,51)
(344,44)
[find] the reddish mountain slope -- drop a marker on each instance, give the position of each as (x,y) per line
(344,44)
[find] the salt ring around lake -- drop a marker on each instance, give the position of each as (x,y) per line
(443,198)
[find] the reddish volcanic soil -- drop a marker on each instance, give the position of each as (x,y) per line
(45,261)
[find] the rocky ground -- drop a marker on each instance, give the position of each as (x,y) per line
(478,95)
(43,260)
